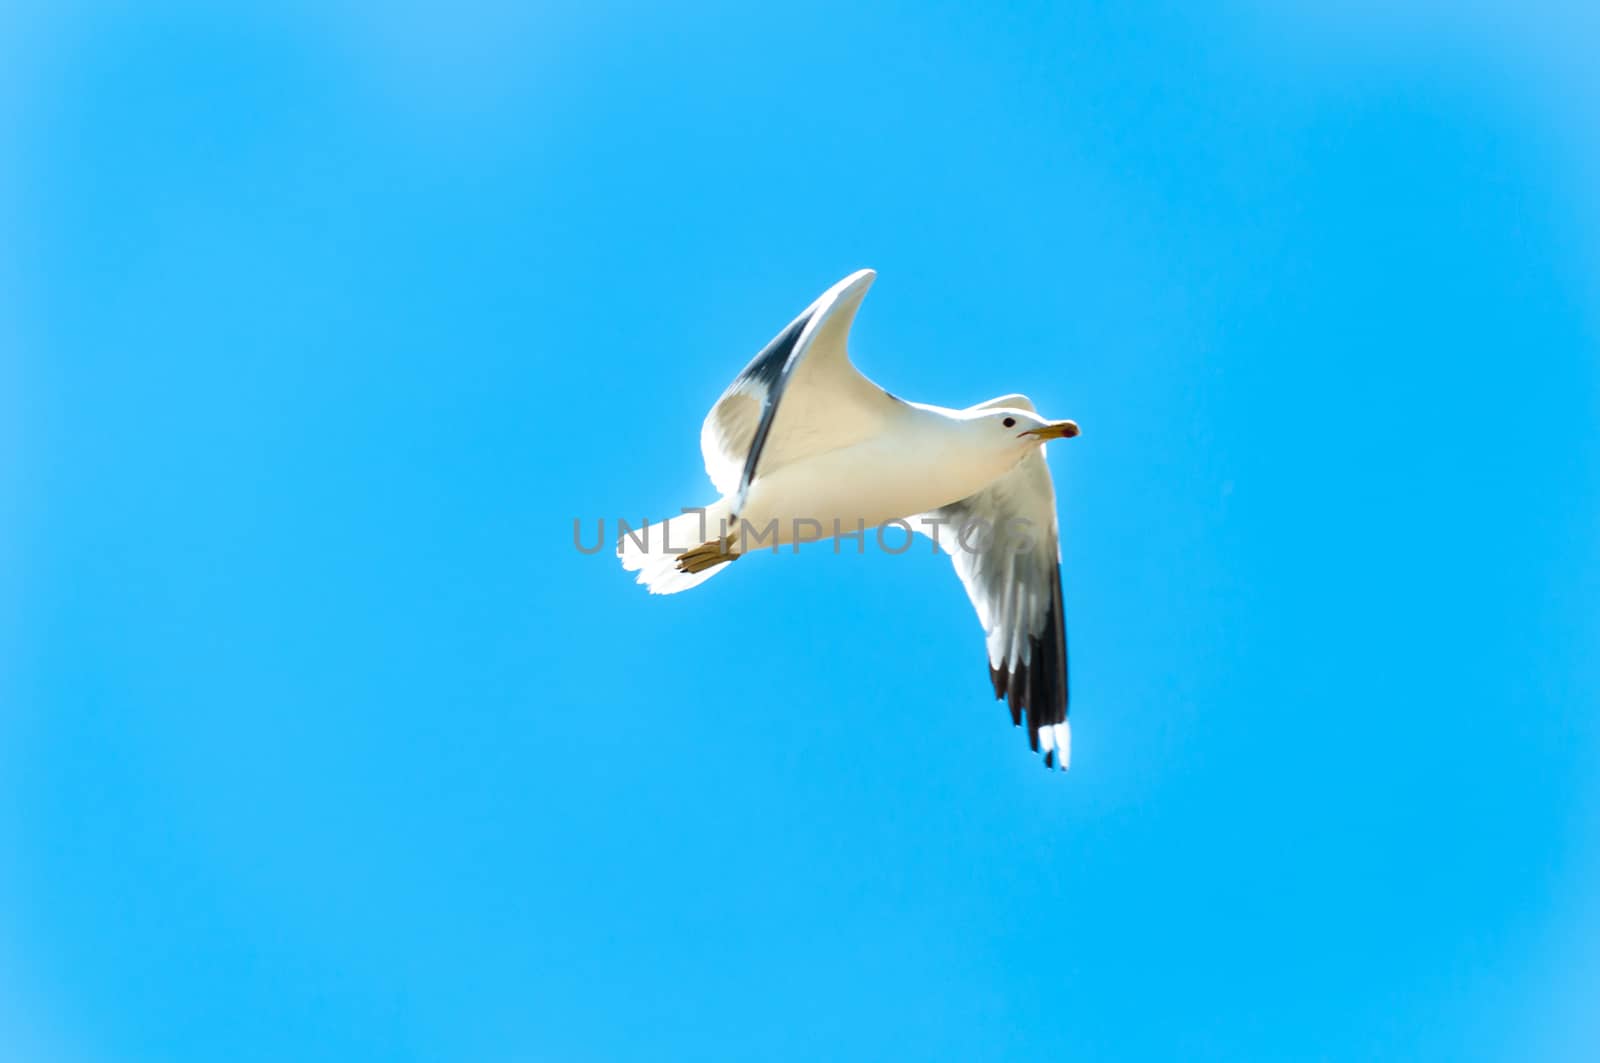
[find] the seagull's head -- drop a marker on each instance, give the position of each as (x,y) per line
(1019,429)
(1001,432)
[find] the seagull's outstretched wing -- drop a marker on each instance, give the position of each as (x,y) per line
(1004,544)
(800,396)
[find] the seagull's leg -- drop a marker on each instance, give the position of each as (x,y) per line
(707,555)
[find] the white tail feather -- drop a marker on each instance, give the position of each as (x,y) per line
(652,551)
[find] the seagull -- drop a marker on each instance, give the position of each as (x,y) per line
(802,447)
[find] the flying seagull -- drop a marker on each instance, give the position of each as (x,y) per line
(802,447)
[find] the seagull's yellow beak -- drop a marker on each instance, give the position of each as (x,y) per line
(1054,430)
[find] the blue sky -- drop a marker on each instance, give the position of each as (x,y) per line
(320,741)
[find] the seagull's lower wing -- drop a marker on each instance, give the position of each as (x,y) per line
(1004,544)
(800,396)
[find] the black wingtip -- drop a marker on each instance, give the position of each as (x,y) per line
(1038,689)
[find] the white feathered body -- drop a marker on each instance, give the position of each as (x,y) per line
(925,462)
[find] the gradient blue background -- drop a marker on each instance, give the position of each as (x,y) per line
(322,323)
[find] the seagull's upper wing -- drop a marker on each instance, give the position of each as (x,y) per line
(800,396)
(1004,543)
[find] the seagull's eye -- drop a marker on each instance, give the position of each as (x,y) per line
(1010,422)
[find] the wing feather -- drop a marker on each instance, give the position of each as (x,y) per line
(800,396)
(1013,578)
